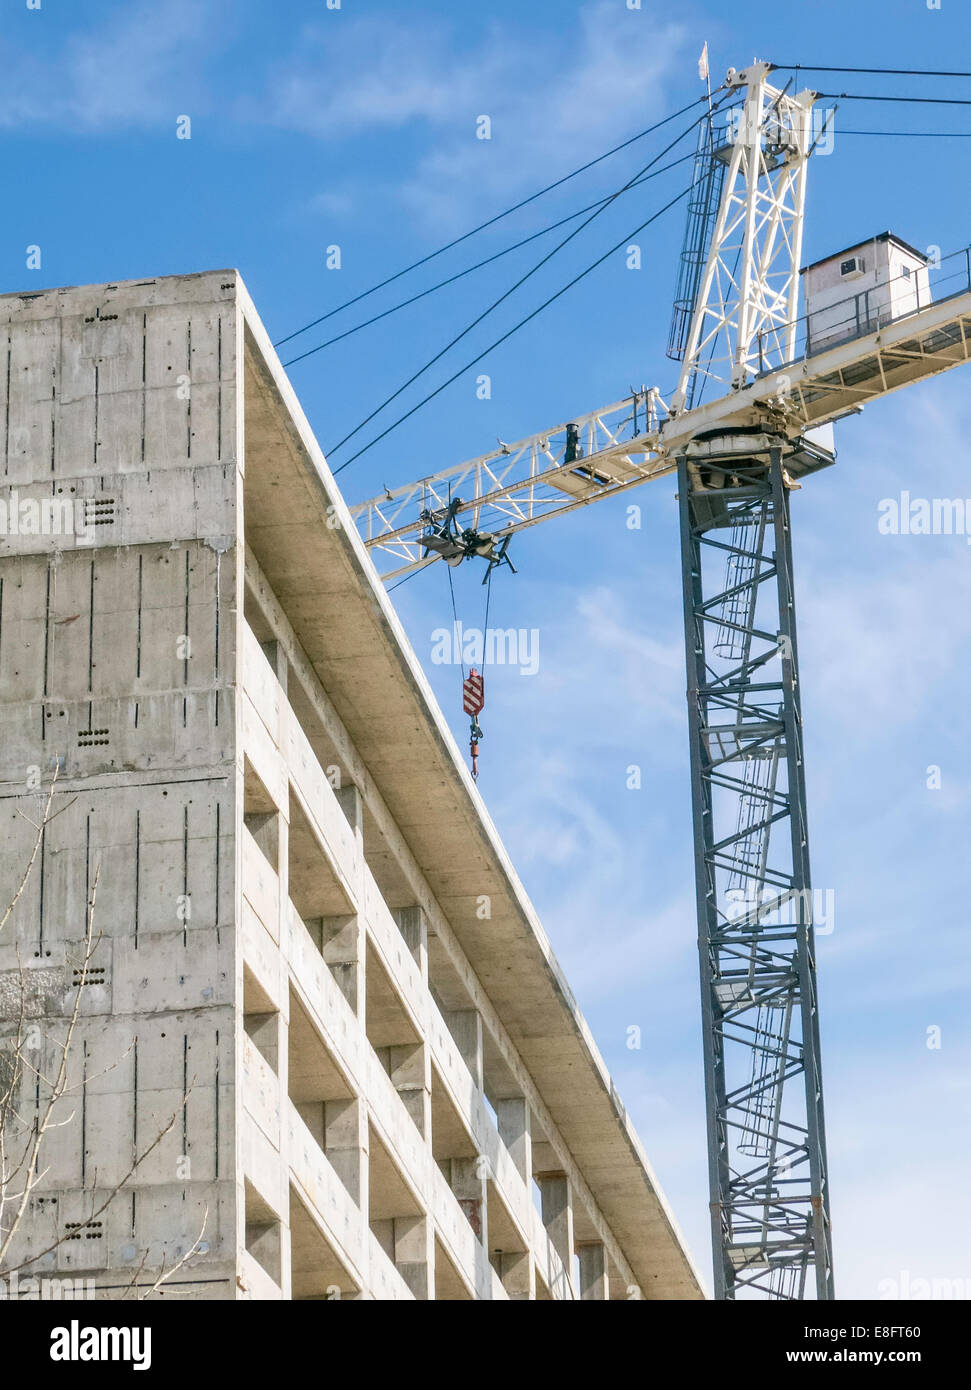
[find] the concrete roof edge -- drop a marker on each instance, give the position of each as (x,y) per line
(132,283)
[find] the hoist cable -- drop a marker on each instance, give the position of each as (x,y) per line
(485,628)
(455,622)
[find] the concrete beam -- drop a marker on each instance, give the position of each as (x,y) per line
(349,797)
(276,655)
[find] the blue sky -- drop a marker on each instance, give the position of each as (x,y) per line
(355,127)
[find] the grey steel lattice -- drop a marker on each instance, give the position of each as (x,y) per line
(767,1163)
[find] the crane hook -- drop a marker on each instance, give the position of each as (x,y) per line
(475,733)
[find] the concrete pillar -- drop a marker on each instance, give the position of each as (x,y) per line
(342,946)
(414,929)
(518,1274)
(276,656)
(264,1243)
(264,826)
(350,801)
(594,1283)
(467,1179)
(515,1133)
(265,1033)
(557,1211)
(414,1254)
(409,1066)
(353,807)
(346,1145)
(465,1026)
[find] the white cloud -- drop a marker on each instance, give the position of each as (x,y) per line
(604,82)
(139,66)
(333,202)
(559,821)
(610,925)
(595,85)
(898,1135)
(553,100)
(886,637)
(884,619)
(375,72)
(648,676)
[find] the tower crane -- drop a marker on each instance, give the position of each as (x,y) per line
(774,390)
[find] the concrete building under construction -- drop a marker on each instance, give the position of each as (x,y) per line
(322,1047)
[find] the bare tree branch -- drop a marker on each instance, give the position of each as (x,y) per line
(45,819)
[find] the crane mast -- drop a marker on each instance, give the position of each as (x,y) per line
(766,1133)
(769,1191)
(738,455)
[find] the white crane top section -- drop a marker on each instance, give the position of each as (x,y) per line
(773,370)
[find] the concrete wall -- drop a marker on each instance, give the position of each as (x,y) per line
(123,401)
